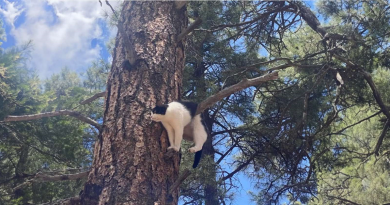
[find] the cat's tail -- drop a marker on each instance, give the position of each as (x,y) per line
(198,155)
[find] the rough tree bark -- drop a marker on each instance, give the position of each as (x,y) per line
(129,166)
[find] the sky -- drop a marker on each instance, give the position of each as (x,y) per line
(63,33)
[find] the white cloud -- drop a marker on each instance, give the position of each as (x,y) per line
(61,32)
(11,11)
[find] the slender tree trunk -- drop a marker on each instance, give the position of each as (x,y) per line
(20,169)
(210,189)
(129,166)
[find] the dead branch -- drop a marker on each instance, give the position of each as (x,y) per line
(41,177)
(44,177)
(94,97)
(190,28)
(53,114)
(244,83)
(180,180)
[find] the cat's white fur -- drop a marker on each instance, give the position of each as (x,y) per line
(179,123)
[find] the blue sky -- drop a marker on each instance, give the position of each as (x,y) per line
(63,33)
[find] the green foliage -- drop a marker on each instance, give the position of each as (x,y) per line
(299,137)
(48,145)
(363,180)
(291,147)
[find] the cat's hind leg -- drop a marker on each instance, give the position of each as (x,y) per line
(200,137)
(178,129)
(171,135)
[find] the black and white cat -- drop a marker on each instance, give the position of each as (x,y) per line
(180,121)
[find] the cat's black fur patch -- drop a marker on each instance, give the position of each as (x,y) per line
(160,109)
(198,155)
(190,106)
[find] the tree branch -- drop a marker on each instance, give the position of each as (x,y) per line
(368,78)
(308,16)
(43,177)
(53,114)
(360,121)
(239,168)
(94,97)
(190,28)
(180,180)
(226,153)
(69,201)
(380,139)
(244,83)
(342,199)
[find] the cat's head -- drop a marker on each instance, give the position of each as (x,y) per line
(158,112)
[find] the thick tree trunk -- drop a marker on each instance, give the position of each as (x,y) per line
(129,166)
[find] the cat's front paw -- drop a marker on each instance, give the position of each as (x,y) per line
(192,150)
(173,147)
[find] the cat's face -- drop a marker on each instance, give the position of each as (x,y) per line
(158,113)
